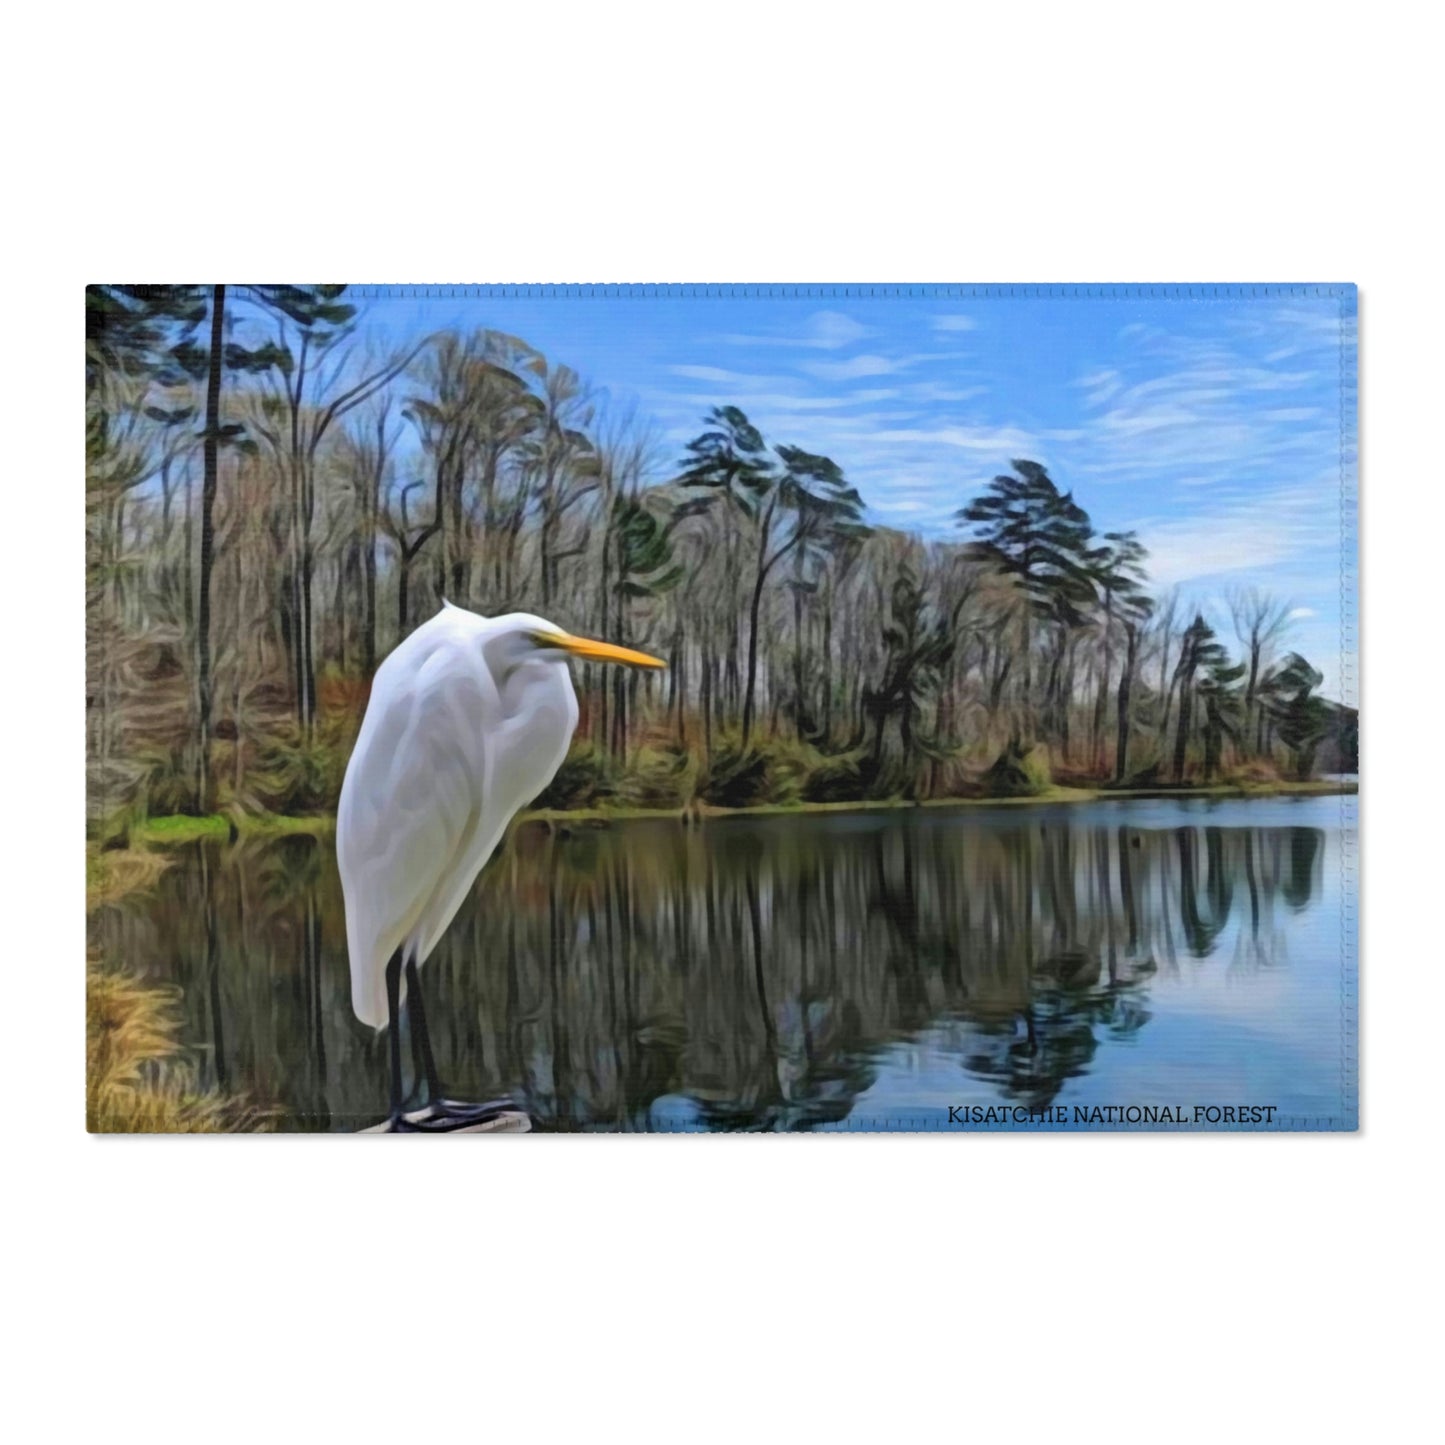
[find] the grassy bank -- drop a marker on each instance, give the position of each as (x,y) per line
(1048,796)
(1051,795)
(178,829)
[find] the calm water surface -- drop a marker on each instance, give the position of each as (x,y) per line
(813,971)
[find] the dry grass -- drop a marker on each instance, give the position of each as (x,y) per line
(112,873)
(137,1080)
(1256,773)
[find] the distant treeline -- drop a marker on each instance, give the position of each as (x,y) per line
(272,505)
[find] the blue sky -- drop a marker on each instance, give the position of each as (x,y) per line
(1212,426)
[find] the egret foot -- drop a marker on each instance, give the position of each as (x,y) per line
(439,1115)
(448,1116)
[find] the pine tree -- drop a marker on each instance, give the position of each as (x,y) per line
(918,649)
(1118,573)
(1301,717)
(1224,707)
(1029,531)
(791,500)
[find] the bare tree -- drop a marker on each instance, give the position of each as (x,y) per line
(1260,621)
(315,377)
(410,538)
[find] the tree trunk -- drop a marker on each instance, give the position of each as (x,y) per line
(1186,708)
(1213,742)
(211,456)
(706,696)
(1126,683)
(753,611)
(1166,691)
(490,464)
(732,689)
(827,723)
(1065,696)
(368,633)
(189,572)
(798,710)
(368,553)
(348,569)
(547,534)
(440,507)
(619,690)
(679,651)
(307,626)
(1101,702)
(1249,692)
(461,569)
(1023,729)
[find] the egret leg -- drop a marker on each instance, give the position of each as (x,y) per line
(441,1114)
(393,1019)
(426,1065)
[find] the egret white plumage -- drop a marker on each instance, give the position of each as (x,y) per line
(469,719)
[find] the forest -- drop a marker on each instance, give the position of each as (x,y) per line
(273,502)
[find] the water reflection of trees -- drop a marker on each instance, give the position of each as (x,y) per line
(739,975)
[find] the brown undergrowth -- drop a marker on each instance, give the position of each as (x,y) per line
(138,1078)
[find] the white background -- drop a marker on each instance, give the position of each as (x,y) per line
(722,1288)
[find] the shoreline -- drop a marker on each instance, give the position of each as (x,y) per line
(1315,788)
(174,830)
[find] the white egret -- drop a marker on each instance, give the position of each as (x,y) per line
(469,719)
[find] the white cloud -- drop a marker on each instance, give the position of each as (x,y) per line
(1255,533)
(872,365)
(899,506)
(1209,408)
(825,330)
(838,401)
(1002,442)
(853,368)
(954,323)
(1313,323)
(1297,614)
(1101,385)
(831,329)
(718,374)
(934,391)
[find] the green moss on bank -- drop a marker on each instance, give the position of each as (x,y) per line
(180,828)
(177,829)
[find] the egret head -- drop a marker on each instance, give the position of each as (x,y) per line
(521,637)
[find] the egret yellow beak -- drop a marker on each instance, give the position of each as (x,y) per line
(593,651)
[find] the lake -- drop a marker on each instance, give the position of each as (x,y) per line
(805,971)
